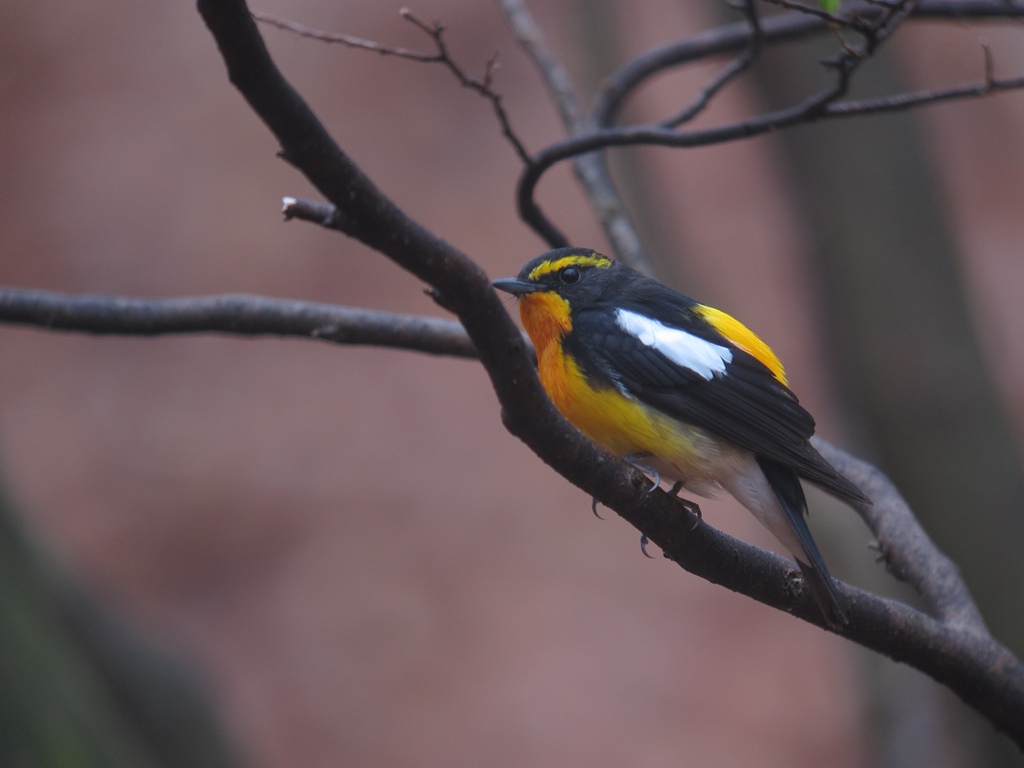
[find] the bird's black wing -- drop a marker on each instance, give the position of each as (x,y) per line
(745,404)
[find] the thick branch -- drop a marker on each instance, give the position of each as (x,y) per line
(980,670)
(919,563)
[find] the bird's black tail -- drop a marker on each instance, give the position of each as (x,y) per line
(786,485)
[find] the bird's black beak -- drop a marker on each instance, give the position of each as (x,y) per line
(515,286)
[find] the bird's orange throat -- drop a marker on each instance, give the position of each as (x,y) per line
(545,317)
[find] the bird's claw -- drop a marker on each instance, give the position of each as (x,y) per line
(643,546)
(634,459)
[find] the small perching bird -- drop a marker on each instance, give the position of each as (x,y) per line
(681,389)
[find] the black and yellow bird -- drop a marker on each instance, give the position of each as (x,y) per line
(679,388)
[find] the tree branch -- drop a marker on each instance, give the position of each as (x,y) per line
(980,670)
(910,554)
(736,67)
(873,21)
(441,56)
(591,169)
(349,41)
(235,314)
(818,107)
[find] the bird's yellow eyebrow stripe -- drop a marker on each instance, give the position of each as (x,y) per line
(547,267)
(742,337)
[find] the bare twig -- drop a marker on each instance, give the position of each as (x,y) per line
(482,87)
(235,314)
(324,214)
(346,40)
(735,68)
(990,76)
(442,56)
(814,11)
(709,91)
(728,39)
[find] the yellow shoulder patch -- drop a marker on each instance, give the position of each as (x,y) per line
(742,337)
(547,267)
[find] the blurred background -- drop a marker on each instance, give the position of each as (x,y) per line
(270,553)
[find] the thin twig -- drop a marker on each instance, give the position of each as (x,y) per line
(921,98)
(435,31)
(735,68)
(989,65)
(482,86)
(346,40)
(815,12)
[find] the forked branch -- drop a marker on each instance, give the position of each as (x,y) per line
(442,55)
(970,662)
(952,647)
(874,22)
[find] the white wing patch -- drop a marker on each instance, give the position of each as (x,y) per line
(700,356)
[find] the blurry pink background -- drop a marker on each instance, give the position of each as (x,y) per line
(345,543)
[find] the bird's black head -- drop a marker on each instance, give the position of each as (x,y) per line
(578,275)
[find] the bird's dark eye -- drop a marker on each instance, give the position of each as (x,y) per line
(570,275)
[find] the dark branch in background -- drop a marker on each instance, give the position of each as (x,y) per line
(442,56)
(874,22)
(236,314)
(591,169)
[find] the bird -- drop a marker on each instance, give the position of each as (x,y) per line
(680,389)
